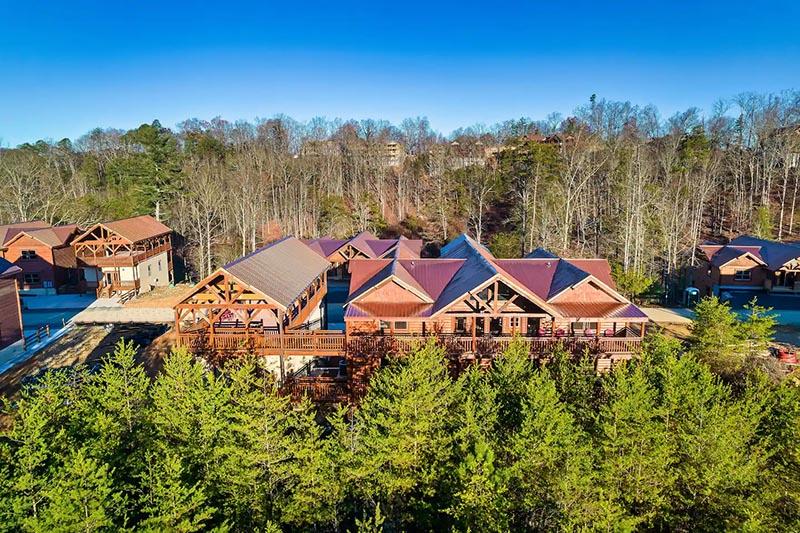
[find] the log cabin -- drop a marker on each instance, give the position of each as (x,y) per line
(470,295)
(265,304)
(132,256)
(43,254)
(10,309)
(748,263)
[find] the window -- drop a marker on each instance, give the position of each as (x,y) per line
(28,254)
(159,265)
(514,322)
(400,325)
(31,279)
(149,270)
(384,325)
(742,275)
(579,327)
(461,324)
(47,284)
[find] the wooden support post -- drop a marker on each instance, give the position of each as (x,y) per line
(177,326)
(553,327)
(644,324)
(474,342)
(283,347)
(597,329)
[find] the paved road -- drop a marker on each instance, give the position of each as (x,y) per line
(668,315)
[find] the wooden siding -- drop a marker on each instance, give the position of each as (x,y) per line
(707,276)
(42,264)
(390,292)
(584,293)
(10,329)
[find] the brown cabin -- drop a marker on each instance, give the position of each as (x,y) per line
(131,256)
(43,254)
(10,309)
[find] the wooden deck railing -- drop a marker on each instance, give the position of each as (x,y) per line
(335,343)
(317,389)
(106,290)
(126,259)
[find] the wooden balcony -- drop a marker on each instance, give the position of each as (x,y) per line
(335,343)
(121,259)
(302,342)
(317,389)
(106,290)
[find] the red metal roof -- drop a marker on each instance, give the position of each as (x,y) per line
(599,268)
(466,265)
(8,231)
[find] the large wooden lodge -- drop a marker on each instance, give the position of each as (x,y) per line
(272,303)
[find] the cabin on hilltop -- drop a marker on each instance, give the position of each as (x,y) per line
(123,256)
(267,304)
(470,294)
(43,254)
(256,301)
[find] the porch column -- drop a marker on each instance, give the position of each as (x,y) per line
(474,319)
(281,356)
(211,325)
(597,329)
(177,326)
(644,325)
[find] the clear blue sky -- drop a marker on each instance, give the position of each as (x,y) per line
(66,67)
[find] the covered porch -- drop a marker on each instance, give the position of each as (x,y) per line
(225,311)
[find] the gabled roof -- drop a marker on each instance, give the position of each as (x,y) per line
(359,242)
(541,253)
(599,268)
(325,246)
(8,231)
(8,269)
(771,254)
(369,245)
(139,228)
(281,270)
(53,237)
(465,266)
(775,254)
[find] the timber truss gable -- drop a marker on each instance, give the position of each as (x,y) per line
(348,252)
(497,297)
(101,241)
(221,297)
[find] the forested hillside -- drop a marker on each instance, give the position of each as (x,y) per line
(613,179)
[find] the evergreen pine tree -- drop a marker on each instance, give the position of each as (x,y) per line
(168,502)
(81,498)
(716,461)
(404,437)
(636,453)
